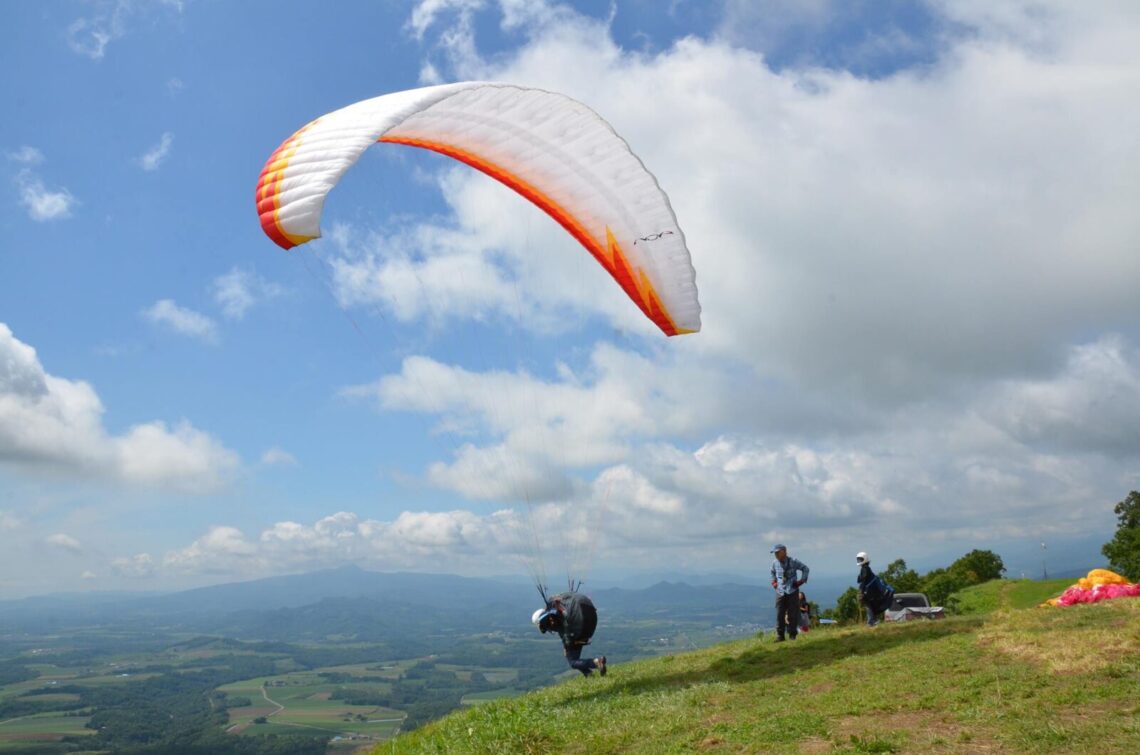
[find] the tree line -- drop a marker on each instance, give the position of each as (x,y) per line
(938,585)
(978,566)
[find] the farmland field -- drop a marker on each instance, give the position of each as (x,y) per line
(16,734)
(346,704)
(299,701)
(330,675)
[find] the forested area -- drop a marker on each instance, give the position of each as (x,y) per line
(173,711)
(938,585)
(14,671)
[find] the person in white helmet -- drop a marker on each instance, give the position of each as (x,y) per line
(874,593)
(573,616)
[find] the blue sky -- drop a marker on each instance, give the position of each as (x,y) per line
(913,226)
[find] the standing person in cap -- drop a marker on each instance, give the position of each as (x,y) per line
(574,617)
(787,584)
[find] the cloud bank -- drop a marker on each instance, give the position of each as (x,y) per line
(52,423)
(919,311)
(918,289)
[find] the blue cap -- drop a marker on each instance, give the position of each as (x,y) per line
(778,547)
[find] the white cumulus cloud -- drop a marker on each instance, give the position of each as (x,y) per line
(27,155)
(918,289)
(156,155)
(38,200)
(920,322)
(138,566)
(237,291)
(275,457)
(462,539)
(167,313)
(64,542)
(110,20)
(221,550)
(48,421)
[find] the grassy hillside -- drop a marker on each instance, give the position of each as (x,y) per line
(1007,678)
(1007,593)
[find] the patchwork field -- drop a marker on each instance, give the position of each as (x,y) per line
(301,702)
(16,734)
(39,729)
(348,705)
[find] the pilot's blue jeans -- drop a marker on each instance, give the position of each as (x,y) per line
(574,658)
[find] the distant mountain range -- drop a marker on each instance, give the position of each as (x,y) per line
(363,604)
(352,604)
(209,608)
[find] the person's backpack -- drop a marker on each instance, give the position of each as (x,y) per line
(880,595)
(875,590)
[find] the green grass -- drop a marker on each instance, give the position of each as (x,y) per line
(1004,679)
(1008,593)
(1026,593)
(475,698)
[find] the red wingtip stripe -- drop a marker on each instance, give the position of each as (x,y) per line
(267,196)
(615,262)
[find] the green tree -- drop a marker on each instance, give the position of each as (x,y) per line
(901,578)
(978,566)
(1123,551)
(847,606)
(940,584)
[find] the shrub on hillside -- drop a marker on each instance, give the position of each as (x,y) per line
(1123,551)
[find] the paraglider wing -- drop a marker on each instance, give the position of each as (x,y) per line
(1100,584)
(551,149)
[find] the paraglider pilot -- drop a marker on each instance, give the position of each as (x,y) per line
(573,616)
(874,593)
(787,584)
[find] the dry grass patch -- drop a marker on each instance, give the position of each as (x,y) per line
(914,731)
(710,743)
(719,718)
(1109,634)
(815,745)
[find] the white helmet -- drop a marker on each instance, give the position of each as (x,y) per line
(862,558)
(537,615)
